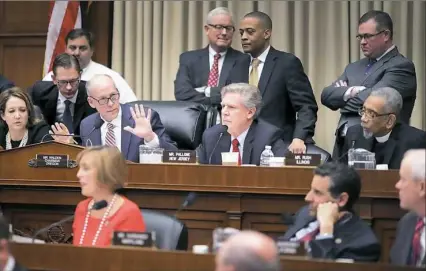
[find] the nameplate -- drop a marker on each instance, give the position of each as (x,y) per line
(134,239)
(179,157)
(52,160)
(302,159)
(291,248)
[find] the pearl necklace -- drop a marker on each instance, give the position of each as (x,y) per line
(23,140)
(104,218)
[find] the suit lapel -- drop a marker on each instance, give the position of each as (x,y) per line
(379,63)
(95,136)
(228,63)
(267,70)
(51,102)
(204,65)
(126,137)
(406,246)
(248,145)
(298,226)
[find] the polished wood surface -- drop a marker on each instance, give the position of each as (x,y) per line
(243,198)
(68,257)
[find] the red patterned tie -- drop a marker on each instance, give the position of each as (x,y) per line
(416,246)
(308,237)
(235,148)
(110,136)
(214,72)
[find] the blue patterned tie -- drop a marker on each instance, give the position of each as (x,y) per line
(371,62)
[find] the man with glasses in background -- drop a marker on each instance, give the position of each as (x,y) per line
(63,102)
(121,125)
(383,66)
(380,130)
(202,73)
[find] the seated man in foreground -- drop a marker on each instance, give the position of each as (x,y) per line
(120,125)
(240,130)
(381,131)
(329,224)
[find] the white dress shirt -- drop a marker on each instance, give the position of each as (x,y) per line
(10,265)
(241,139)
(60,106)
(262,59)
(212,53)
(94,68)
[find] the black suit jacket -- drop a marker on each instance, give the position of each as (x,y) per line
(258,136)
(44,94)
(5,84)
(352,238)
(193,72)
(36,134)
(402,138)
(401,250)
(285,90)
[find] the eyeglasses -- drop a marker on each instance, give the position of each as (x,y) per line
(229,28)
(72,82)
(114,97)
(368,36)
(371,114)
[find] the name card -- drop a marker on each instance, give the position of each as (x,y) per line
(291,248)
(292,159)
(138,239)
(52,160)
(179,157)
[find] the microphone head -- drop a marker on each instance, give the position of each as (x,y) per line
(100,205)
(190,199)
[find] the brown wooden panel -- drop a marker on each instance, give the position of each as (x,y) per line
(24,17)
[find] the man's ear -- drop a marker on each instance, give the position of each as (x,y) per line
(391,121)
(54,78)
(251,112)
(91,102)
(343,199)
(422,189)
(267,34)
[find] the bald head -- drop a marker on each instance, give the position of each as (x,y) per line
(99,81)
(248,251)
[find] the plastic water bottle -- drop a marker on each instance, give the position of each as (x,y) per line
(264,157)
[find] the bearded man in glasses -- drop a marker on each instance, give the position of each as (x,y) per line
(383,66)
(381,131)
(63,102)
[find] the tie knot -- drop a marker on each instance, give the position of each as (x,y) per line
(255,62)
(67,102)
(110,126)
(420,224)
(235,142)
(217,56)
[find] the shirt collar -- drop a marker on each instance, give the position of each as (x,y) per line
(117,120)
(387,51)
(87,67)
(212,52)
(383,139)
(241,137)
(262,56)
(10,265)
(63,99)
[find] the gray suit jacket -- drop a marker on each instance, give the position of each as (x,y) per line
(393,70)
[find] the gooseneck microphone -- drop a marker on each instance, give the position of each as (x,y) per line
(49,134)
(224,128)
(346,153)
(189,200)
(97,206)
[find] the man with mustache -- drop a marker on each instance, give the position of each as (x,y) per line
(79,43)
(383,66)
(202,73)
(329,224)
(381,131)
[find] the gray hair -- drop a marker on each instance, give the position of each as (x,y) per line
(218,11)
(96,80)
(251,95)
(417,161)
(244,259)
(393,100)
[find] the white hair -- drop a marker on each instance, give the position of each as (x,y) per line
(98,80)
(218,11)
(417,160)
(251,95)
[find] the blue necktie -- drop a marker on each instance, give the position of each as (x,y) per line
(67,117)
(371,62)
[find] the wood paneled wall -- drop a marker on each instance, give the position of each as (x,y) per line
(23,31)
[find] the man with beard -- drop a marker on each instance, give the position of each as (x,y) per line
(329,224)
(80,43)
(381,131)
(202,73)
(383,66)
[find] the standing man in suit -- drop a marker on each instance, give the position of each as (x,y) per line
(381,131)
(383,66)
(65,99)
(329,224)
(120,125)
(241,132)
(202,73)
(5,83)
(80,43)
(248,251)
(7,261)
(409,247)
(288,100)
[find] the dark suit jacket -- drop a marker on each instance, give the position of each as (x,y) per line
(402,138)
(258,136)
(401,250)
(5,84)
(352,238)
(44,94)
(35,133)
(193,72)
(129,142)
(285,90)
(19,267)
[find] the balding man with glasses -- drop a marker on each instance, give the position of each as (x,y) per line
(381,131)
(202,73)
(383,66)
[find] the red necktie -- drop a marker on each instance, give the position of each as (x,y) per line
(308,237)
(214,72)
(416,246)
(235,148)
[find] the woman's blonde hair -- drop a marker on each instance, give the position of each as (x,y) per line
(110,165)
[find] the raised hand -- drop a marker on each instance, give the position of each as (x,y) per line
(143,128)
(60,129)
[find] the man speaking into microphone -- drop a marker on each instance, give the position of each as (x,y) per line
(240,131)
